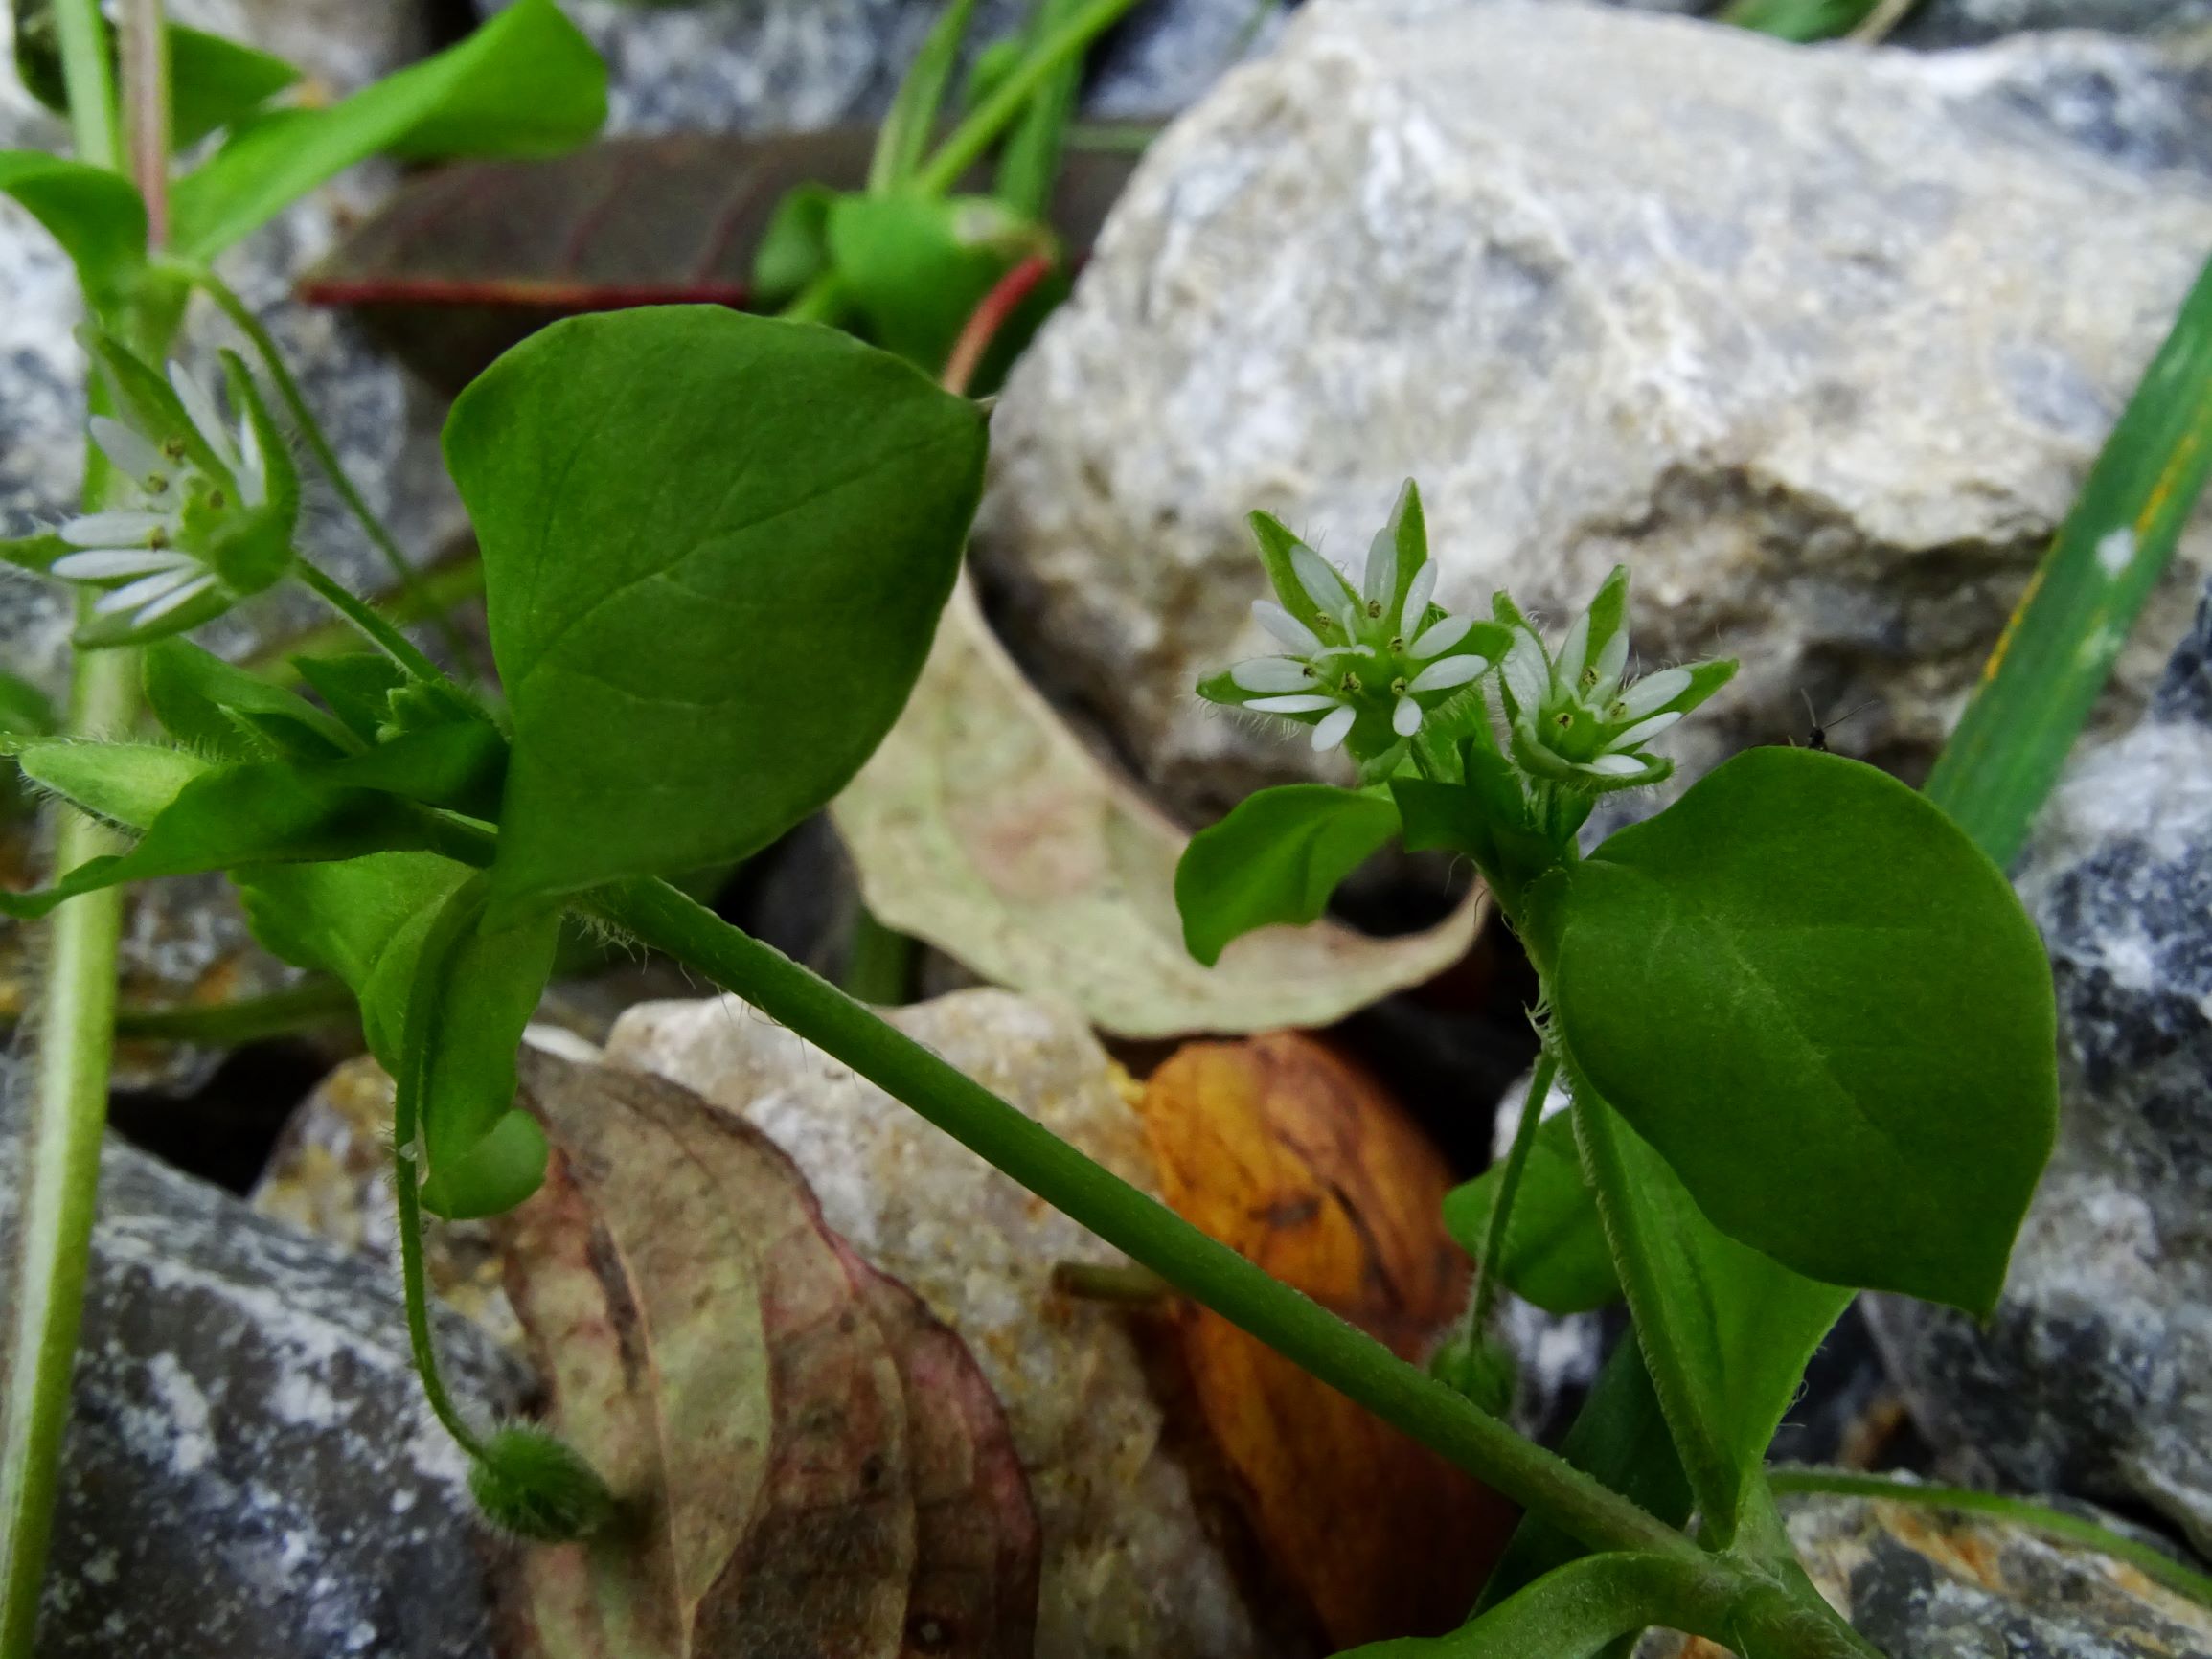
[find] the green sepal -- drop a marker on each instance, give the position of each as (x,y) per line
(36,553)
(357,686)
(102,633)
(124,783)
(224,711)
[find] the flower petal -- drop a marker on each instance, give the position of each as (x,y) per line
(1300,705)
(100,564)
(253,466)
(1323,585)
(1654,692)
(1417,597)
(1611,766)
(1270,675)
(174,598)
(134,457)
(1405,719)
(122,529)
(1435,640)
(1567,665)
(1611,660)
(1644,731)
(1331,732)
(1443,675)
(1286,628)
(1526,672)
(1378,583)
(200,405)
(143,591)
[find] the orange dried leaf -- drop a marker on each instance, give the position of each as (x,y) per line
(1303,1163)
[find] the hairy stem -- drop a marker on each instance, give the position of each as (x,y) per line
(2152,1563)
(1208,1272)
(412,1281)
(358,612)
(273,361)
(61,1175)
(1486,1271)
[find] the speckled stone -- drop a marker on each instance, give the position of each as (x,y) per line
(1129,1564)
(1969,22)
(2095,1377)
(250,1472)
(1811,339)
(1927,1583)
(789,65)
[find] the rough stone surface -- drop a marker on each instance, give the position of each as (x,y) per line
(1129,1566)
(1815,340)
(786,65)
(1927,1584)
(250,1472)
(2095,1377)
(1970,22)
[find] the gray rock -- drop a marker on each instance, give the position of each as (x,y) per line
(2095,1377)
(1927,1583)
(1970,22)
(1815,340)
(250,1472)
(787,65)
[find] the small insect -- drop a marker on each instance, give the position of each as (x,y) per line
(1820,737)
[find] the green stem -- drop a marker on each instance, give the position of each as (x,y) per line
(61,1175)
(1486,1271)
(964,146)
(355,612)
(447,585)
(90,82)
(265,347)
(226,1025)
(1209,1272)
(2152,1563)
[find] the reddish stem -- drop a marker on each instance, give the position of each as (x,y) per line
(989,317)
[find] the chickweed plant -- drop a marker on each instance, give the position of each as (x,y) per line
(1805,1027)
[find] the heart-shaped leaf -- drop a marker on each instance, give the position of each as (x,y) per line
(1824,1007)
(1276,858)
(715,550)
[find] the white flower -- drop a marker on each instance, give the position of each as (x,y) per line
(1574,721)
(1367,658)
(197,506)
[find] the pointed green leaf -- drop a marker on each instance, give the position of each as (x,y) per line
(1555,1254)
(715,550)
(1275,858)
(1580,1610)
(93,212)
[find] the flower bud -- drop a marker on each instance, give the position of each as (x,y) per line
(530,1484)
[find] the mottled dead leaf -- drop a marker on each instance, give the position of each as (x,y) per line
(808,1463)
(984,826)
(1302,1164)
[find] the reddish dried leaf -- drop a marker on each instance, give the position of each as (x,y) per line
(1300,1161)
(802,1456)
(464,261)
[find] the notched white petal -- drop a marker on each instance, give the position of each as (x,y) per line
(1611,766)
(1405,719)
(1286,628)
(144,591)
(175,598)
(1451,671)
(1331,732)
(100,564)
(1302,705)
(1527,674)
(200,405)
(1418,594)
(119,529)
(1378,583)
(1270,675)
(134,457)
(1435,640)
(1320,580)
(1568,665)
(1611,660)
(1644,731)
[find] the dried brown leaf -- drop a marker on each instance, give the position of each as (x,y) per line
(985,827)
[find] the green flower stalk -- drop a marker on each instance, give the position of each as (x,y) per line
(1368,660)
(1575,717)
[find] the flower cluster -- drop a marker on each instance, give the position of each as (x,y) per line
(203,511)
(1365,662)
(1575,717)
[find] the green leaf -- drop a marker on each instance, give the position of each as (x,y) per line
(214,82)
(1619,1436)
(903,139)
(24,710)
(715,550)
(1578,1611)
(526,84)
(1555,1254)
(916,268)
(357,686)
(1800,20)
(94,213)
(1825,1008)
(126,784)
(1275,858)
(795,247)
(361,920)
(257,812)
(2058,650)
(475,987)
(225,712)
(1029,163)
(1726,1331)
(35,552)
